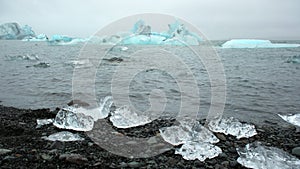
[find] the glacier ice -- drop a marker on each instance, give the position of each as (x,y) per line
(124,117)
(233,127)
(257,156)
(70,118)
(196,139)
(255,43)
(40,37)
(63,136)
(32,57)
(177,34)
(174,135)
(11,31)
(42,122)
(187,131)
(291,118)
(294,59)
(198,150)
(100,112)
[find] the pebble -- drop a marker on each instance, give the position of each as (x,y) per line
(233,163)
(46,157)
(74,158)
(225,163)
(4,151)
(221,136)
(134,164)
(296,151)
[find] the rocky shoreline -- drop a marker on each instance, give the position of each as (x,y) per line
(21,145)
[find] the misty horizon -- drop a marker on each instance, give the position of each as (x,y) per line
(217,20)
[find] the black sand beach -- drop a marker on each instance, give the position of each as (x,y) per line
(18,133)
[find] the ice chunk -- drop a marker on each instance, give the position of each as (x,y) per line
(63,136)
(70,118)
(31,57)
(187,131)
(257,156)
(10,31)
(255,43)
(105,105)
(174,135)
(291,118)
(42,122)
(233,127)
(124,117)
(294,59)
(198,150)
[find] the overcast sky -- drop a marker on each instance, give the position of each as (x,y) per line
(217,19)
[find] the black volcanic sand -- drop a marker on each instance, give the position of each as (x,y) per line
(18,133)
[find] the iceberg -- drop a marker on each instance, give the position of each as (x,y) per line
(187,131)
(256,43)
(257,156)
(124,117)
(70,118)
(198,150)
(40,37)
(233,127)
(291,118)
(13,31)
(42,122)
(177,34)
(63,136)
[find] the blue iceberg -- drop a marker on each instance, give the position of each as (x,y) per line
(256,43)
(177,34)
(13,31)
(40,37)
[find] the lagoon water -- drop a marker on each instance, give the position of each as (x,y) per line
(260,83)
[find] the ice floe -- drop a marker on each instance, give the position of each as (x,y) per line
(256,43)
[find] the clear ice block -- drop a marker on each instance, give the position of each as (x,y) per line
(124,117)
(233,127)
(198,150)
(257,156)
(69,118)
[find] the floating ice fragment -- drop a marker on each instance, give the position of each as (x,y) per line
(294,59)
(291,118)
(257,156)
(233,127)
(255,43)
(124,117)
(198,150)
(42,122)
(187,131)
(32,57)
(63,136)
(70,118)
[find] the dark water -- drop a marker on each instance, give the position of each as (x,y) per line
(260,82)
